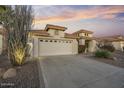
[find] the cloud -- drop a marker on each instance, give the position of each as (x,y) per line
(67,13)
(108,16)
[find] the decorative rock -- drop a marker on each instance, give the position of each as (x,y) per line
(1,72)
(114,58)
(11,72)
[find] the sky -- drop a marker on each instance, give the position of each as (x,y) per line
(101,19)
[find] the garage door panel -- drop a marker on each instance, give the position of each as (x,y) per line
(55,48)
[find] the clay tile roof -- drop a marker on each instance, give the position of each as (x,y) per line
(39,32)
(111,38)
(114,36)
(83,31)
(89,38)
(49,26)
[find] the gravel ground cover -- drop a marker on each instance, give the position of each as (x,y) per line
(27,75)
(119,62)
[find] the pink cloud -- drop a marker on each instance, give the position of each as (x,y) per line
(108,16)
(70,14)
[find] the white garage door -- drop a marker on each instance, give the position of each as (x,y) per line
(54,47)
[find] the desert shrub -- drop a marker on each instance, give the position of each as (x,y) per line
(110,48)
(102,54)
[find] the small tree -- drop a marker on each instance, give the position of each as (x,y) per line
(17,21)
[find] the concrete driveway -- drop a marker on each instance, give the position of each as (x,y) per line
(76,71)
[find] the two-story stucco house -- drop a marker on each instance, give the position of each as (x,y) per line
(54,41)
(86,39)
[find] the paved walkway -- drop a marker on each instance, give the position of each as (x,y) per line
(77,71)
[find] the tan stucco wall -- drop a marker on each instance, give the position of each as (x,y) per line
(82,42)
(117,45)
(92,46)
(35,47)
(90,35)
(83,34)
(122,44)
(52,33)
(75,47)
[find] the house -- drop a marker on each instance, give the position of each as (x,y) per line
(86,40)
(117,41)
(54,41)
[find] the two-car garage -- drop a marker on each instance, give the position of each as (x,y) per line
(50,47)
(54,47)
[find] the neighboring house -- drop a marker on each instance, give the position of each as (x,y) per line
(53,41)
(117,41)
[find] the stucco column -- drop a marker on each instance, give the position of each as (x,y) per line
(92,46)
(75,47)
(35,47)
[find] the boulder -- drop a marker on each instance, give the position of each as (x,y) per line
(114,58)
(11,72)
(1,72)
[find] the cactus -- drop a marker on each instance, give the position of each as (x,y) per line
(17,21)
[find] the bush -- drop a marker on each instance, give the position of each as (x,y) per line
(108,48)
(102,54)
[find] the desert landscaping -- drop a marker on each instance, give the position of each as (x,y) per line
(51,57)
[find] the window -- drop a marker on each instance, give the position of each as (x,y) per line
(86,34)
(56,32)
(50,40)
(46,40)
(41,40)
(55,41)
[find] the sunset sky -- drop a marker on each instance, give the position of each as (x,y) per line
(102,20)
